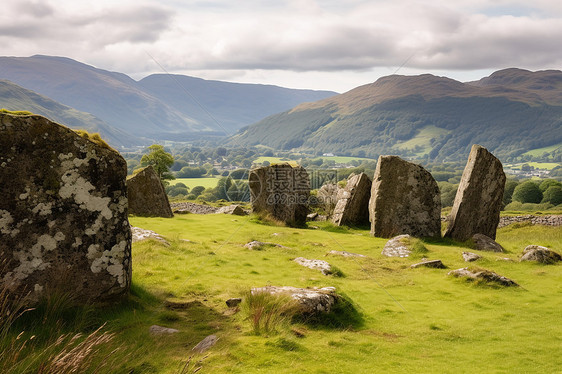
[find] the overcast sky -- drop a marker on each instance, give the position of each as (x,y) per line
(320,44)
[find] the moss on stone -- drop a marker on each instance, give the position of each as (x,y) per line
(94,138)
(16,112)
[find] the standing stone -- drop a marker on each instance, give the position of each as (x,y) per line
(147,197)
(477,205)
(352,207)
(405,199)
(282,191)
(328,197)
(63,213)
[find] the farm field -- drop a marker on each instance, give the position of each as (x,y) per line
(192,182)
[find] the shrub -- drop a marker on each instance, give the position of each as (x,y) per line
(545,184)
(527,192)
(553,195)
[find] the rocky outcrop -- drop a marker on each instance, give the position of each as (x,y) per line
(281,191)
(352,207)
(405,199)
(147,197)
(63,213)
(483,243)
(476,209)
(399,246)
(540,254)
(483,275)
(323,266)
(311,300)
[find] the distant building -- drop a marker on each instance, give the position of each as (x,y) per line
(328,155)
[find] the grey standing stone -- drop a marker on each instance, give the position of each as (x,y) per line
(405,199)
(147,197)
(281,191)
(478,202)
(63,213)
(352,207)
(328,197)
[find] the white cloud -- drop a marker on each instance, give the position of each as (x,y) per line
(353,38)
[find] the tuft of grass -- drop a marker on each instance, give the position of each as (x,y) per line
(269,313)
(94,138)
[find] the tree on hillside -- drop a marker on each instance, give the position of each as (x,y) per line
(545,184)
(510,185)
(553,195)
(160,160)
(527,192)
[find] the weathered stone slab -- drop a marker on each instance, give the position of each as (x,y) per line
(478,202)
(484,243)
(311,300)
(483,275)
(281,191)
(324,267)
(352,207)
(405,199)
(63,212)
(540,254)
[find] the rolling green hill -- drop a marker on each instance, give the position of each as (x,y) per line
(423,117)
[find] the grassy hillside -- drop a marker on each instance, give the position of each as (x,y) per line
(424,117)
(404,320)
(14,97)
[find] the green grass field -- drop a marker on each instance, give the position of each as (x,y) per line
(192,182)
(411,320)
(536,165)
(540,151)
(423,139)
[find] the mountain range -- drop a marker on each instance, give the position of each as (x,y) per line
(128,112)
(510,112)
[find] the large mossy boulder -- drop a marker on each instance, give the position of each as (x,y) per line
(147,197)
(405,199)
(477,205)
(63,213)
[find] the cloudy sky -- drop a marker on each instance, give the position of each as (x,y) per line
(321,44)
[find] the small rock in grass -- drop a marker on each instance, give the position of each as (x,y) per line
(231,303)
(540,254)
(321,265)
(159,330)
(437,264)
(345,254)
(258,246)
(399,246)
(478,274)
(484,243)
(205,344)
(311,300)
(469,256)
